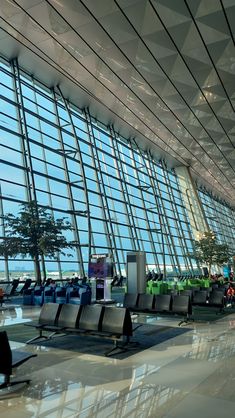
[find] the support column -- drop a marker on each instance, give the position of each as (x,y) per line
(196,215)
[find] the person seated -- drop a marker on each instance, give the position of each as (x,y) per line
(52,284)
(48,282)
(84,280)
(1,296)
(230,294)
(149,276)
(120,281)
(70,282)
(115,280)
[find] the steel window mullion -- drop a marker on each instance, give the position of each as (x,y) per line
(69,189)
(224,222)
(43,151)
(26,156)
(103,195)
(47,177)
(3,232)
(162,214)
(125,193)
(116,224)
(154,250)
(99,191)
(104,199)
(26,152)
(83,174)
(144,206)
(178,224)
(160,207)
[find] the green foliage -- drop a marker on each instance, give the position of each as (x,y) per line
(34,232)
(210,252)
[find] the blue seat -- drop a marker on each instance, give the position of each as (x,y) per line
(85,295)
(28,296)
(69,290)
(80,295)
(74,297)
(61,294)
(49,294)
(38,295)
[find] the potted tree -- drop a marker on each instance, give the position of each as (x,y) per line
(210,252)
(36,233)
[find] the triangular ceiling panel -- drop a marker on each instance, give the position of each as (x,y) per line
(169,15)
(180,32)
(211,35)
(218,51)
(161,70)
(216,21)
(204,7)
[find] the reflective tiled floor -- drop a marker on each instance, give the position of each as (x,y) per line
(191,375)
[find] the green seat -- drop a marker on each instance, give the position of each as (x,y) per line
(149,287)
(180,286)
(205,283)
(156,290)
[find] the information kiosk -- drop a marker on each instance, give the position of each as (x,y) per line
(100,272)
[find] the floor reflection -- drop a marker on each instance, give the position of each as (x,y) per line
(153,383)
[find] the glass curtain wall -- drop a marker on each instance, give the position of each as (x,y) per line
(220,217)
(117,197)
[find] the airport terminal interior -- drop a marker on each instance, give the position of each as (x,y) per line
(117,116)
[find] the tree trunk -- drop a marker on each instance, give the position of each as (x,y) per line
(59,267)
(37,270)
(44,272)
(209,271)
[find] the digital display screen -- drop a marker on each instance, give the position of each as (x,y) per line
(100,267)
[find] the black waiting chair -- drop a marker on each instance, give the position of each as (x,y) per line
(145,302)
(221,289)
(187,292)
(26,286)
(10,359)
(200,298)
(130,300)
(172,292)
(206,289)
(116,323)
(91,318)
(48,316)
(67,319)
(163,303)
(181,305)
(15,284)
(217,300)
(7,291)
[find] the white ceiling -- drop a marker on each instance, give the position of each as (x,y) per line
(160,70)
